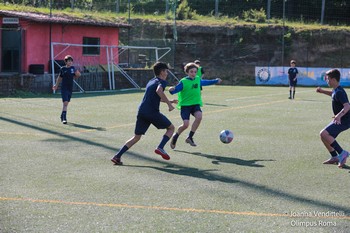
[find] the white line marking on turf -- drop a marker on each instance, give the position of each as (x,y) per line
(267,95)
(247,106)
(132,124)
(244,213)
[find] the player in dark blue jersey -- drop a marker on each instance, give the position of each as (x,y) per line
(148,113)
(66,76)
(292,76)
(341,119)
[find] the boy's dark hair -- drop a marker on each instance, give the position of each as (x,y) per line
(158,67)
(68,57)
(333,73)
(189,66)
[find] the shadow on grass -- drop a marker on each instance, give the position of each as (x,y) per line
(273,193)
(189,171)
(64,136)
(201,174)
(220,159)
(86,126)
(103,93)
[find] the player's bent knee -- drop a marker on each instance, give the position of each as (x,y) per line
(171,127)
(198,116)
(170,130)
(136,138)
(185,124)
(324,134)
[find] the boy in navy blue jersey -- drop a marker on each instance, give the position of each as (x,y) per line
(341,119)
(66,75)
(292,76)
(149,113)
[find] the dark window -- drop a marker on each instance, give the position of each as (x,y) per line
(91,50)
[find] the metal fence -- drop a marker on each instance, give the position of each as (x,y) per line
(317,11)
(233,53)
(312,11)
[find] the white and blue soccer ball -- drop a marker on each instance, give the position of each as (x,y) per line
(226,136)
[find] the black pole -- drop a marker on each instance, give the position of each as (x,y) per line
(129,34)
(50,36)
(174,33)
(50,54)
(283,29)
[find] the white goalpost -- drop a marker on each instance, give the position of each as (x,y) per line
(106,66)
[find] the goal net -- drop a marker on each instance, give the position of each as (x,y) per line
(105,67)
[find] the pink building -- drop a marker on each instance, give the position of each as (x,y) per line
(25,40)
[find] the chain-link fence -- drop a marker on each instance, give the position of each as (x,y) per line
(312,11)
(233,53)
(230,51)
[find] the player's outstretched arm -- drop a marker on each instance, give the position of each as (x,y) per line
(326,92)
(207,82)
(176,89)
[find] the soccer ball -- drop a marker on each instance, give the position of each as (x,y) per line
(226,136)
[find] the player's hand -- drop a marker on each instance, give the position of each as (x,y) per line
(171,107)
(174,101)
(54,87)
(319,89)
(77,74)
(219,80)
(171,89)
(337,121)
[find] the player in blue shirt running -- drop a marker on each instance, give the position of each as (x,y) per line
(66,75)
(148,113)
(341,119)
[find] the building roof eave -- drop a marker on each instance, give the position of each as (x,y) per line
(45,18)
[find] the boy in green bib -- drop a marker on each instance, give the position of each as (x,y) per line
(190,101)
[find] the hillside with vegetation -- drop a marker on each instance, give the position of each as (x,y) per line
(229,47)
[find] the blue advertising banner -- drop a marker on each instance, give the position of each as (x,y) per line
(307,76)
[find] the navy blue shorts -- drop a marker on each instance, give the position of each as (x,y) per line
(292,83)
(186,111)
(334,130)
(66,95)
(158,120)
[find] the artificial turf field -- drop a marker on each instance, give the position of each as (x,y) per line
(59,178)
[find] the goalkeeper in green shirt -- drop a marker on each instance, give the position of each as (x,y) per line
(190,101)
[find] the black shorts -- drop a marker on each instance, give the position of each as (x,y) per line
(186,111)
(66,95)
(143,122)
(292,83)
(334,130)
